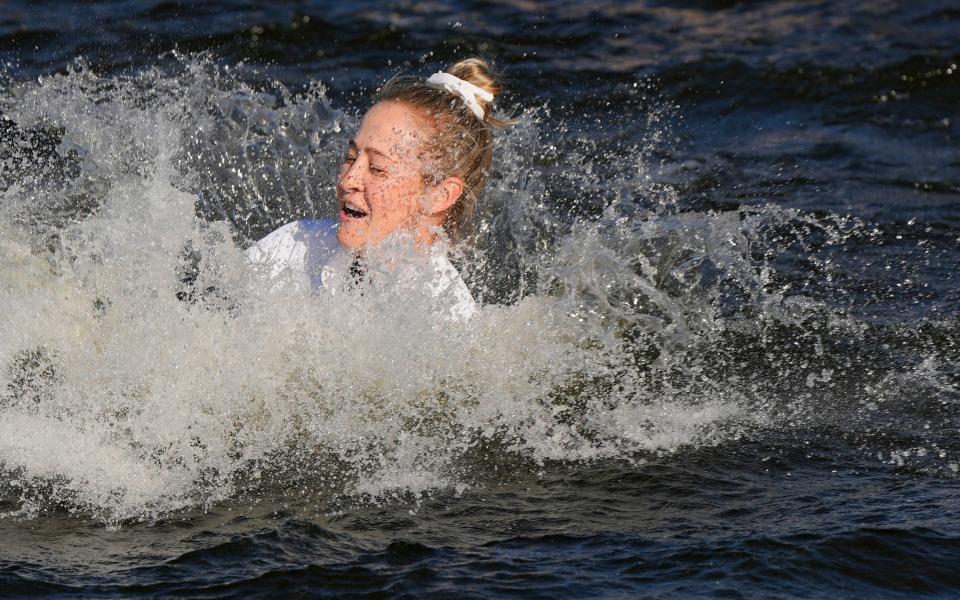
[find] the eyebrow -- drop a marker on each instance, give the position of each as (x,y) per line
(353,146)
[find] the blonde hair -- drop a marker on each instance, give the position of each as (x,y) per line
(464,143)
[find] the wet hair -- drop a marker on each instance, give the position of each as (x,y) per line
(463,145)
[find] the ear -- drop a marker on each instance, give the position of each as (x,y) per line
(444,195)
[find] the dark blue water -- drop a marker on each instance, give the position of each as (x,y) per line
(786,425)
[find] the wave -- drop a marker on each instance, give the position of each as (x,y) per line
(144,368)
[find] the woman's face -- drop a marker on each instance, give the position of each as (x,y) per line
(381,185)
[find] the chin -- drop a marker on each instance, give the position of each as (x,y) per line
(349,239)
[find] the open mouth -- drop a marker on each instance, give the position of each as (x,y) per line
(352,211)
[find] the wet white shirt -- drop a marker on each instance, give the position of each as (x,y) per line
(307,255)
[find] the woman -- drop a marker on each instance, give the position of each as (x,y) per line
(413,171)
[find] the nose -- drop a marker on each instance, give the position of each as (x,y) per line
(350,180)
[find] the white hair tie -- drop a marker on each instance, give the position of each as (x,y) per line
(464,89)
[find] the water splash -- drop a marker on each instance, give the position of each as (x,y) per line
(144,366)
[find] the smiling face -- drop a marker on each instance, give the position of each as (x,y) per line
(381,188)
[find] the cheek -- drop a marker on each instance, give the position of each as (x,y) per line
(395,200)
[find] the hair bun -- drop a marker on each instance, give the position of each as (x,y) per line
(478,72)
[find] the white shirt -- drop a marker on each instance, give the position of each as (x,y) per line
(307,255)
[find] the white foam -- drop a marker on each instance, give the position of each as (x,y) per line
(134,400)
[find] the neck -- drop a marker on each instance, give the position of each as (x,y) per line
(425,231)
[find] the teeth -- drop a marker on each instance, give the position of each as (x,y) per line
(353,207)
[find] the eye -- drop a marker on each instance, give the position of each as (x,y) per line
(349,157)
(377,170)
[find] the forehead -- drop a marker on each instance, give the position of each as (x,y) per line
(393,129)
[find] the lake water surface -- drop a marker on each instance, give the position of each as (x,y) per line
(719,353)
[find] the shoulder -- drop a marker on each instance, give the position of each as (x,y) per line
(310,230)
(323,228)
(296,251)
(296,238)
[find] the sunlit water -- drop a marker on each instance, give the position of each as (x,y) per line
(717,354)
